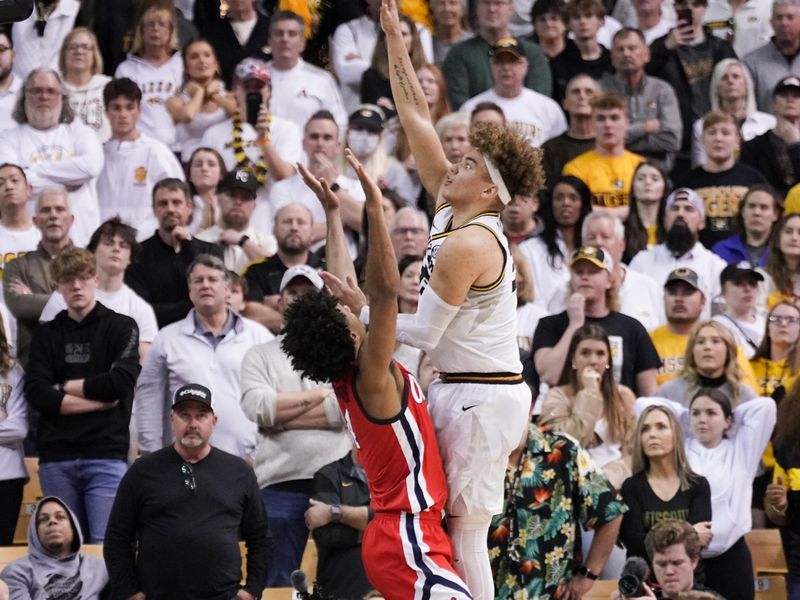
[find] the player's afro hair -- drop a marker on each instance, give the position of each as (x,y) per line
(518,163)
(317,338)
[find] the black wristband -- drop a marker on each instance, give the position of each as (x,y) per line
(243,240)
(584,571)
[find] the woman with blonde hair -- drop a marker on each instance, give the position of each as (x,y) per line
(711,361)
(155,64)
(81,66)
(528,313)
(732,91)
(663,485)
(589,405)
(202,101)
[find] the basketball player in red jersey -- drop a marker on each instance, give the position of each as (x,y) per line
(405,550)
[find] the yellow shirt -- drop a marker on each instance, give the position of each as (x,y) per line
(671,347)
(792,202)
(608,177)
(770,374)
(652,240)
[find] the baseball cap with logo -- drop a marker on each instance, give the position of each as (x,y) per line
(301,271)
(597,256)
(252,68)
(507,45)
(738,272)
(240,179)
(369,116)
(193,391)
(790,82)
(684,274)
(688,195)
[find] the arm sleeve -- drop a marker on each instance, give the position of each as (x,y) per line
(668,138)
(29,306)
(40,377)
(166,312)
(152,389)
(755,422)
(456,73)
(700,507)
(14,427)
(646,354)
(424,328)
(81,168)
(539,77)
(119,544)
(632,531)
(349,71)
(259,394)
(576,419)
(118,381)
(255,532)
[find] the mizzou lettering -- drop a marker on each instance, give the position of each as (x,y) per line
(611,199)
(7,258)
(671,364)
(651,517)
(722,201)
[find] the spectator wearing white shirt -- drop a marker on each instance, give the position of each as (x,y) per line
(38,38)
(650,18)
(54,149)
(241,243)
(202,101)
(207,347)
(684,217)
(114,245)
(134,161)
(10,84)
(18,234)
(743,317)
(535,115)
(299,89)
(156,65)
(205,168)
(81,65)
(746,23)
(255,139)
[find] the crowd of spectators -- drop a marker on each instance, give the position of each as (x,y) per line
(154,228)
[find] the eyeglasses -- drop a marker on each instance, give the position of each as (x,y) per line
(43,92)
(404,231)
(76,47)
(784,320)
(188,477)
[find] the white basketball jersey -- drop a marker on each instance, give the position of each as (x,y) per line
(482,338)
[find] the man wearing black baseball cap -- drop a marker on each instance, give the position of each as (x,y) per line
(241,242)
(186,506)
(776,153)
(742,318)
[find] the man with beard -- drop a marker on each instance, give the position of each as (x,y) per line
(159,273)
(55,149)
(684,218)
(179,514)
(293,227)
(240,241)
(9,83)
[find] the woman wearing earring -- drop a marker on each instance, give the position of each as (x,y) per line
(202,101)
(663,485)
(588,405)
(724,445)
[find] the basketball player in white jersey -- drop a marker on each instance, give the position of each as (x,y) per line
(466,319)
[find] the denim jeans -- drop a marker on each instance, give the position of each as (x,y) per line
(88,487)
(288,533)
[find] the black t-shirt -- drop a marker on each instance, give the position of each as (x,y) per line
(645,509)
(631,347)
(570,63)
(721,193)
(264,277)
(558,151)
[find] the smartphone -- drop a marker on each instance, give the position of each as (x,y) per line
(685,16)
(253,101)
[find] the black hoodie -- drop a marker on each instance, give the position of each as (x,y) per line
(102,349)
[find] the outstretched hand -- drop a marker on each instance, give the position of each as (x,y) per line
(320,187)
(347,292)
(390,21)
(371,189)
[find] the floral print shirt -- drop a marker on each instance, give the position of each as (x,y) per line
(535,544)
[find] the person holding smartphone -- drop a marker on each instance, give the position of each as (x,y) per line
(254,139)
(688,48)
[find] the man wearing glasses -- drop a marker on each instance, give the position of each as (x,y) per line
(179,513)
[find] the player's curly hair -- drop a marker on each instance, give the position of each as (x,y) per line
(317,338)
(518,163)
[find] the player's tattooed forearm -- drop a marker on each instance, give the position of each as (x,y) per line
(404,82)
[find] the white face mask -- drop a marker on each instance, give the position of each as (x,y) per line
(362,142)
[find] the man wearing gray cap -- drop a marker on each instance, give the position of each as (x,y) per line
(684,218)
(300,429)
(179,513)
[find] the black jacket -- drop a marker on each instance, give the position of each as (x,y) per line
(230,53)
(776,160)
(103,350)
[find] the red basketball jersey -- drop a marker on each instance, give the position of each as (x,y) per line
(400,456)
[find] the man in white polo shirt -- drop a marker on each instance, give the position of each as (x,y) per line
(684,217)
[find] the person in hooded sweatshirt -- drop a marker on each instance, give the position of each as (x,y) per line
(54,567)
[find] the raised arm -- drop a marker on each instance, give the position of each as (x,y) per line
(411,106)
